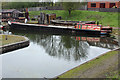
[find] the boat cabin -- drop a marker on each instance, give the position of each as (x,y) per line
(94,27)
(88,26)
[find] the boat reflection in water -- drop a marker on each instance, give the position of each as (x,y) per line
(104,42)
(66,46)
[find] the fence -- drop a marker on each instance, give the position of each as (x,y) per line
(81,8)
(53,8)
(37,8)
(105,9)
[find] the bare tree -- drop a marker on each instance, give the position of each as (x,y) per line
(70,6)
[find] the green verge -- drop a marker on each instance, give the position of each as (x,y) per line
(32,22)
(9,39)
(74,73)
(104,18)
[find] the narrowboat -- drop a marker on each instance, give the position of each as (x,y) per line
(1,26)
(103,30)
(83,29)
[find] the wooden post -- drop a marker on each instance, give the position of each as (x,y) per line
(38,19)
(6,37)
(45,21)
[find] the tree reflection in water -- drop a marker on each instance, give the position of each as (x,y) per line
(63,47)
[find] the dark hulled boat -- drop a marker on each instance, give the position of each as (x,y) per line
(78,29)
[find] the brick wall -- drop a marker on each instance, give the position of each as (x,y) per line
(118,4)
(107,4)
(89,5)
(97,4)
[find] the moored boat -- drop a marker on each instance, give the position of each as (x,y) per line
(84,29)
(104,30)
(1,26)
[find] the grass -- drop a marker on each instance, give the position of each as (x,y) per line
(114,74)
(76,71)
(105,18)
(32,22)
(10,39)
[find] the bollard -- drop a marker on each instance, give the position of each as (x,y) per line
(6,37)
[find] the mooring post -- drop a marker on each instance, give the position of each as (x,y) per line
(6,37)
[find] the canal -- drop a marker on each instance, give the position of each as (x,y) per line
(50,54)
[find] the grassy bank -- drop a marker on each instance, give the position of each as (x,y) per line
(9,39)
(105,66)
(105,18)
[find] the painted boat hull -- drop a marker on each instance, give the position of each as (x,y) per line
(65,30)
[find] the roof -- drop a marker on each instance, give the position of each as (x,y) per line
(10,11)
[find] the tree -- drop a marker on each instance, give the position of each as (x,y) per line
(17,5)
(70,6)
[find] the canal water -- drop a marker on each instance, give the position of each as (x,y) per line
(50,55)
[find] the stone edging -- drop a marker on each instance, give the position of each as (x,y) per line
(14,46)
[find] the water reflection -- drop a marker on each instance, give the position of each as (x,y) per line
(66,46)
(51,54)
(104,42)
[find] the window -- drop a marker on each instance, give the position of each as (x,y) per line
(112,5)
(102,5)
(93,4)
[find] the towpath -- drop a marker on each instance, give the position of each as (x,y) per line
(104,66)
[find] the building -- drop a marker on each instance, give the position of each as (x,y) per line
(104,4)
(8,14)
